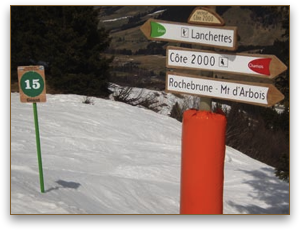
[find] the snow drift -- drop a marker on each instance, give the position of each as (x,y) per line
(113,158)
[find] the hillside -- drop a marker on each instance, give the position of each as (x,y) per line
(113,158)
(252,30)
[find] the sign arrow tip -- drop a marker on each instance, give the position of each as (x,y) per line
(274,96)
(277,66)
(146,28)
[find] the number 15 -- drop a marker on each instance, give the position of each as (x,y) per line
(35,84)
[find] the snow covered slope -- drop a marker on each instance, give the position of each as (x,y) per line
(112,158)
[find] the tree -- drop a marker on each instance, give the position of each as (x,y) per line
(282,171)
(177,112)
(67,41)
(278,123)
(279,16)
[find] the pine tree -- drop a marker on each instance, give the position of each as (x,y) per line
(177,112)
(282,172)
(66,39)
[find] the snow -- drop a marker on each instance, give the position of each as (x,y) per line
(116,19)
(113,158)
(157,12)
(163,102)
(126,17)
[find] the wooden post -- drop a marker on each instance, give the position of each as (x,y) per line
(206,102)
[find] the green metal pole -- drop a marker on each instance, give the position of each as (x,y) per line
(38,147)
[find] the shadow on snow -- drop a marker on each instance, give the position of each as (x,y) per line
(273,192)
(64,184)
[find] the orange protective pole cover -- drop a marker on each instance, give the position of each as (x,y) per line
(202,166)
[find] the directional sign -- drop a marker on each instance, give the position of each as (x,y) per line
(204,16)
(248,64)
(220,37)
(32,84)
(250,93)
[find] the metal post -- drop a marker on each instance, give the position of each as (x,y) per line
(38,147)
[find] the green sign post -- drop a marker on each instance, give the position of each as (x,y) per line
(33,90)
(38,147)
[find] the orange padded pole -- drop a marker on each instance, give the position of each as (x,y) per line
(202,166)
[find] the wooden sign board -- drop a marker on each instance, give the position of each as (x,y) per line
(258,65)
(204,16)
(32,84)
(219,37)
(251,93)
